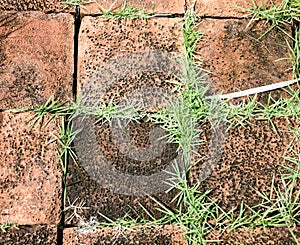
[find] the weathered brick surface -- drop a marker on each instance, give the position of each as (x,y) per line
(36,58)
(170,235)
(36,5)
(252,158)
(30,176)
(225,8)
(37,235)
(115,44)
(238,59)
(150,6)
(259,236)
(103,42)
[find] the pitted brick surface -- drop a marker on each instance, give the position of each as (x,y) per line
(30,176)
(118,57)
(84,191)
(228,8)
(159,235)
(36,58)
(35,5)
(257,236)
(105,41)
(236,58)
(252,156)
(37,235)
(150,6)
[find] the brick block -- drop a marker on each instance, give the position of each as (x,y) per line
(36,58)
(225,8)
(38,235)
(30,176)
(143,235)
(238,59)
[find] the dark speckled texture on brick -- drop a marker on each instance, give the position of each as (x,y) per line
(30,235)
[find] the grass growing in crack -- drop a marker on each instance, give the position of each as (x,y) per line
(191,35)
(107,112)
(7,226)
(287,12)
(126,11)
(74,2)
(181,127)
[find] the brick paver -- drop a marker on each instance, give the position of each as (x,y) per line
(37,235)
(105,43)
(36,58)
(136,235)
(238,59)
(225,8)
(30,175)
(47,6)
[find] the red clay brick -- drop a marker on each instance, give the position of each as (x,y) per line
(225,8)
(258,236)
(236,58)
(36,58)
(38,235)
(143,235)
(30,176)
(36,5)
(150,6)
(100,42)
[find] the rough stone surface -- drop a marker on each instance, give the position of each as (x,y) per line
(257,236)
(225,8)
(36,58)
(103,42)
(236,58)
(252,157)
(37,235)
(85,192)
(36,5)
(159,235)
(118,57)
(150,6)
(30,176)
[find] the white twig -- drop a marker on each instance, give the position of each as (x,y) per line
(257,90)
